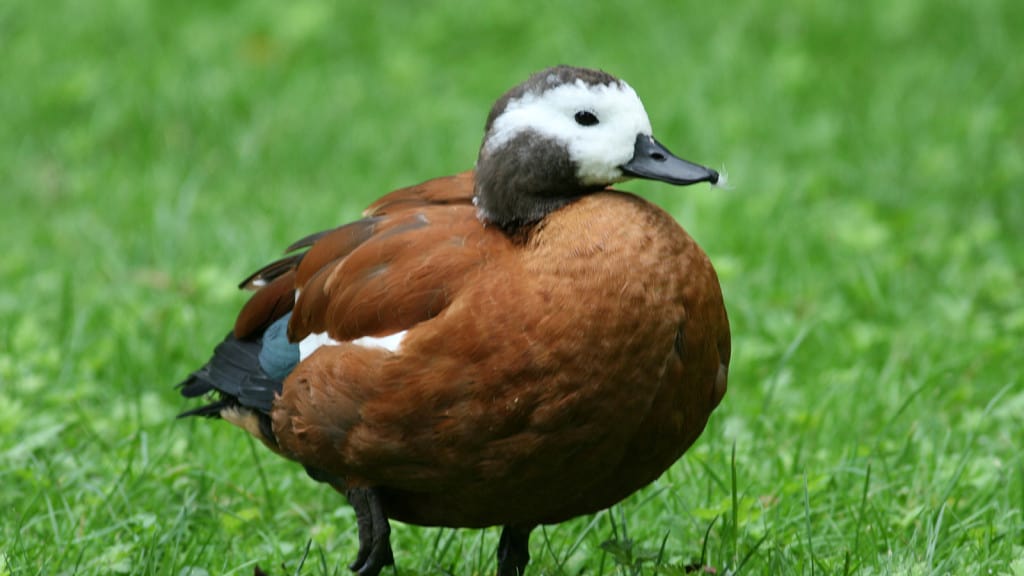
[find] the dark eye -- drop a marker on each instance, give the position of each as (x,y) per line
(585,118)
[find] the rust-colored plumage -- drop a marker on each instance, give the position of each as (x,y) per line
(547,369)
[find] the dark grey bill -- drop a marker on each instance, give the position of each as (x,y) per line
(653,161)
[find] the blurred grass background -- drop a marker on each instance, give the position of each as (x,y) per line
(871,252)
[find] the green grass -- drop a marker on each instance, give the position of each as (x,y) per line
(871,251)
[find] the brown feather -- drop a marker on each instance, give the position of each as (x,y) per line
(269,303)
(397,267)
(333,246)
(270,272)
(456,189)
(404,274)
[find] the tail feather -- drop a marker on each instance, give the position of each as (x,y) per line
(235,372)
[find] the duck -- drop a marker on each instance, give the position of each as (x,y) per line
(515,345)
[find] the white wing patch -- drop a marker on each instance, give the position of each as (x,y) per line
(310,344)
(392,342)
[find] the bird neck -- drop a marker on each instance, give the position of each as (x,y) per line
(523,181)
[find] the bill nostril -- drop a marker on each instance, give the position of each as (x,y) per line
(658,156)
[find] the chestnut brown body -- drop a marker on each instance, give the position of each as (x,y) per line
(541,377)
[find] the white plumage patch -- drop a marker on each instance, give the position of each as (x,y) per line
(311,343)
(392,342)
(598,150)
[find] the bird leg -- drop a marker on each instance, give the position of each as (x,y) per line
(374,532)
(513,550)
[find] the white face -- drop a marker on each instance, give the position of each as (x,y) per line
(598,150)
